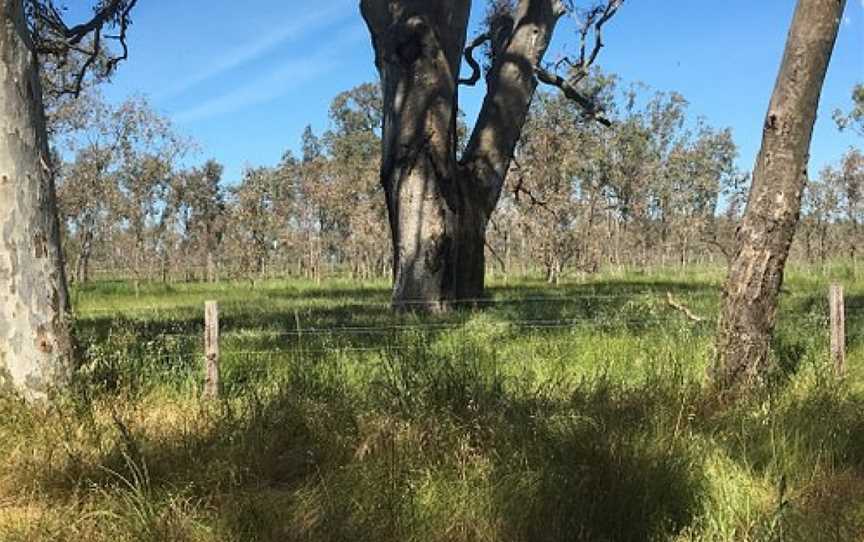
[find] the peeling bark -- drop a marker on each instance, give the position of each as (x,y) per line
(35,336)
(749,312)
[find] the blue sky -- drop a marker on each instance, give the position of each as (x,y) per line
(243,81)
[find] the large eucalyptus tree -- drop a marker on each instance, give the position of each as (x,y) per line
(765,235)
(439,204)
(35,336)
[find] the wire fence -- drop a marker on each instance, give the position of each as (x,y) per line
(335,299)
(174,334)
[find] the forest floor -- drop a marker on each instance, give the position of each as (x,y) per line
(581,412)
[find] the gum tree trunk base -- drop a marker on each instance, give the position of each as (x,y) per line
(749,308)
(35,336)
(439,206)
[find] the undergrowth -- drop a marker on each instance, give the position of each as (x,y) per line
(469,426)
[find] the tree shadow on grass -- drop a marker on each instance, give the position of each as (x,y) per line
(454,453)
(812,445)
(589,481)
(158,347)
(591,461)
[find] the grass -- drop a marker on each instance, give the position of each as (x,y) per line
(576,413)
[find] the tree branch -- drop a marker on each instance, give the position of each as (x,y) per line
(495,254)
(520,189)
(52,36)
(597,18)
(683,309)
(594,21)
(510,89)
(592,110)
(469,58)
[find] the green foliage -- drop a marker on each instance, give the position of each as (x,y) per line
(855,118)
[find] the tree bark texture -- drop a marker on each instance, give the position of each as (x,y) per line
(749,311)
(35,335)
(439,207)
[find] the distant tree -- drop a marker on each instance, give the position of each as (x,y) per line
(855,118)
(635,158)
(353,148)
(200,204)
(87,197)
(255,217)
(847,183)
(336,188)
(440,203)
(315,189)
(35,336)
(645,190)
(698,171)
(819,210)
(558,202)
(121,184)
(749,311)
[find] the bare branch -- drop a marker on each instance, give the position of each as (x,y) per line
(583,39)
(469,58)
(608,13)
(125,21)
(683,309)
(520,189)
(52,36)
(592,110)
(595,19)
(495,254)
(90,59)
(722,249)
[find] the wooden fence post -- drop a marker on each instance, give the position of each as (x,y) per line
(838,329)
(211,349)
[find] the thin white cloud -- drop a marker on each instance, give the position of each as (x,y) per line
(251,51)
(287,76)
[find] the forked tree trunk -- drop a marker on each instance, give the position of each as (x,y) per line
(35,336)
(439,207)
(749,310)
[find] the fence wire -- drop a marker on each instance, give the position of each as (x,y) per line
(305,331)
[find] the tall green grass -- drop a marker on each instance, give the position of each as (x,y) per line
(477,425)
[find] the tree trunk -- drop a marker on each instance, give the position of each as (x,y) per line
(439,207)
(211,266)
(82,273)
(35,335)
(763,240)
(508,256)
(418,52)
(523,258)
(808,246)
(165,267)
(823,246)
(553,271)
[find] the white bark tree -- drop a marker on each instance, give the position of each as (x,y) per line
(36,345)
